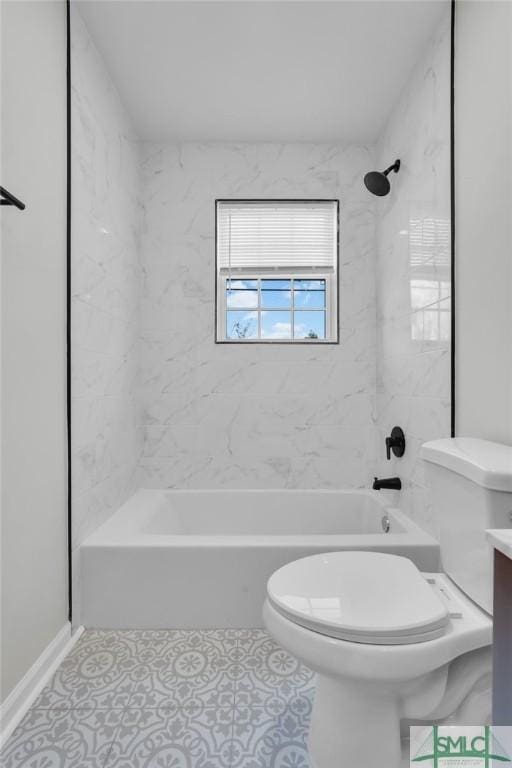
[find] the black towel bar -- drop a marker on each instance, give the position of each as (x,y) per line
(8,199)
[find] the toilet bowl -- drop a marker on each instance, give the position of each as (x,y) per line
(391,645)
(381,656)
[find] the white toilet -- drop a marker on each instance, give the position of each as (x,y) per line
(389,643)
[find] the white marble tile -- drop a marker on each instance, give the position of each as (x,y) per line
(201,470)
(413,273)
(95,505)
(105,290)
(96,375)
(424,375)
(253,416)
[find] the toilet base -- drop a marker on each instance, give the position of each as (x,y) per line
(351,725)
(357,722)
(365,693)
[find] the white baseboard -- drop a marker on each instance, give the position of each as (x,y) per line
(28,689)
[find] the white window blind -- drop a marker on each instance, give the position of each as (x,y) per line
(269,235)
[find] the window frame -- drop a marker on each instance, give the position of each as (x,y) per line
(332,308)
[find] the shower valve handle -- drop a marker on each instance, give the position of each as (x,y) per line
(395,442)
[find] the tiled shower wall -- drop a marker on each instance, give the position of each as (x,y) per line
(413,273)
(105,295)
(251,416)
(156,403)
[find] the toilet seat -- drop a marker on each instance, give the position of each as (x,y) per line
(362,597)
(468,630)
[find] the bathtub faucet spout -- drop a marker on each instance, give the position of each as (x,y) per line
(393,483)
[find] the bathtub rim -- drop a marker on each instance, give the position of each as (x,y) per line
(112,534)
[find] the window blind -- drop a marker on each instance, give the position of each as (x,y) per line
(276,235)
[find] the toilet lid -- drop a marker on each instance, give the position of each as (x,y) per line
(364,597)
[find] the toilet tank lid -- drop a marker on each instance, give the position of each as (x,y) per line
(485,463)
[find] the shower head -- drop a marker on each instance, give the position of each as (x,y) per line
(377,182)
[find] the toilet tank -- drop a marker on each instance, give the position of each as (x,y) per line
(470,483)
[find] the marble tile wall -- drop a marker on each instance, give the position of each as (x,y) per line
(105,296)
(413,273)
(156,403)
(246,416)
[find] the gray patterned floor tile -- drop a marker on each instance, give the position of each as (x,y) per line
(268,672)
(98,673)
(62,739)
(170,699)
(263,738)
(193,668)
(162,738)
(246,638)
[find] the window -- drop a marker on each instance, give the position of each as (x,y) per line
(277,265)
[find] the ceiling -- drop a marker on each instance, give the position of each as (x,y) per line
(261,71)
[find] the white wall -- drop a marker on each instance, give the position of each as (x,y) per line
(413,272)
(33,167)
(251,416)
(483,168)
(105,290)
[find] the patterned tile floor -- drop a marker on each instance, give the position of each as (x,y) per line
(169,699)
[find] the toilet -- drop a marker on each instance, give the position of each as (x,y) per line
(390,645)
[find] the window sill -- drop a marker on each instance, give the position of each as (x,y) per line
(289,343)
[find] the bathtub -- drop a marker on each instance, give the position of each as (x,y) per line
(201,559)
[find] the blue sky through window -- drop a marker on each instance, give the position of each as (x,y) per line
(241,325)
(275,309)
(309,325)
(276,325)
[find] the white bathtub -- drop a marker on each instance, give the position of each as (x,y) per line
(197,559)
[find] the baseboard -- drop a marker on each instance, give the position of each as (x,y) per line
(23,696)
